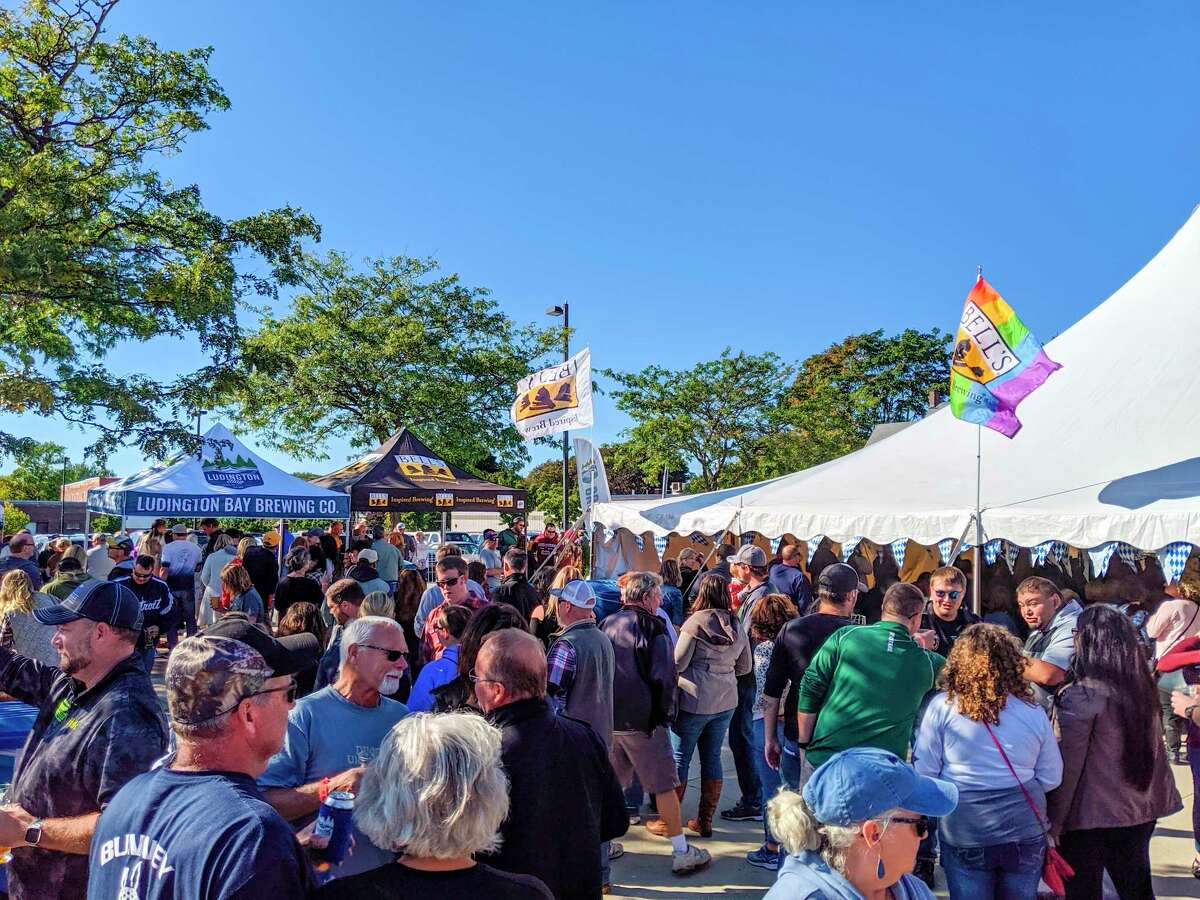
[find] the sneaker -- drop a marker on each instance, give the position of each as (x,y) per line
(742,812)
(615,850)
(924,870)
(693,859)
(764,859)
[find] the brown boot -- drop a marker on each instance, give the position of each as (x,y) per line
(710,796)
(659,826)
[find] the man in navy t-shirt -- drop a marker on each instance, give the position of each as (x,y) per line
(198,827)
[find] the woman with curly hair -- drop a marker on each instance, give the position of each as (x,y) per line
(985,733)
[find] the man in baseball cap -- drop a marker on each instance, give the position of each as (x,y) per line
(840,579)
(229,691)
(120,551)
(98,725)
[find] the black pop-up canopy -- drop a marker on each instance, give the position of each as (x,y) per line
(403,475)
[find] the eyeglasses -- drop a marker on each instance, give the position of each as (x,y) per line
(141,576)
(942,595)
(392,655)
(449,582)
(920,824)
(291,698)
(475,679)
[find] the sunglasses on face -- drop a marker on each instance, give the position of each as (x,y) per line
(920,824)
(140,576)
(449,582)
(942,595)
(392,655)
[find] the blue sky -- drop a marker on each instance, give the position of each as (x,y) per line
(691,176)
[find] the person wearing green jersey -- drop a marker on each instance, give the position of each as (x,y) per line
(866,683)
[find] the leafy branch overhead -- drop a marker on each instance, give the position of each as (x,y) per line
(365,350)
(96,248)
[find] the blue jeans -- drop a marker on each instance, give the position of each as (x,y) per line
(998,872)
(769,778)
(705,731)
(794,769)
(741,736)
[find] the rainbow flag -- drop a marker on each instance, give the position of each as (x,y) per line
(996,363)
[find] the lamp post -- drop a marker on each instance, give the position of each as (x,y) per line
(199,449)
(62,498)
(565,311)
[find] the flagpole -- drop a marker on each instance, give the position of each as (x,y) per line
(977,568)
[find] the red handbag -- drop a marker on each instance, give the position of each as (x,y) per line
(1055,869)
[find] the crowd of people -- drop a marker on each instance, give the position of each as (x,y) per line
(501,725)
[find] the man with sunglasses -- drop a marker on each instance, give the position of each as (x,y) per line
(198,826)
(98,725)
(332,733)
(155,598)
(946,613)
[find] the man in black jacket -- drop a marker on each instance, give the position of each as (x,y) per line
(515,589)
(644,683)
(560,782)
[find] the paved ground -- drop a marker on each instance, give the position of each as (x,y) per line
(645,870)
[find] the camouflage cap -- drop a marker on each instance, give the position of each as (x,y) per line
(209,675)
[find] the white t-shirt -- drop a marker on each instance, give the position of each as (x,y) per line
(181,557)
(98,563)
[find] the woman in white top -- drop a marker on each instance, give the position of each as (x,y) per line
(1173,621)
(994,842)
(210,578)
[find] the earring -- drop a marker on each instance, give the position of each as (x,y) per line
(879,870)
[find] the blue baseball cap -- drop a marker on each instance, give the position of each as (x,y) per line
(101,601)
(859,784)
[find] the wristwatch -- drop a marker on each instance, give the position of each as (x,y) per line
(33,834)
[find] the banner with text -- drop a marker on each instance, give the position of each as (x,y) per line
(593,480)
(555,399)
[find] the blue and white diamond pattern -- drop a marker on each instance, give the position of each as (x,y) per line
(1128,554)
(991,551)
(1011,553)
(660,544)
(1058,552)
(813,543)
(849,547)
(1100,557)
(1039,552)
(899,548)
(1173,558)
(641,544)
(945,548)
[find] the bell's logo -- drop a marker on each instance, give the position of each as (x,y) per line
(443,499)
(504,501)
(377,500)
(424,468)
(546,398)
(980,352)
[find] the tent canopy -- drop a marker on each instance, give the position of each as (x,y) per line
(403,475)
(227,480)
(1109,451)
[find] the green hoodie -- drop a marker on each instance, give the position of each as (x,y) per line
(866,684)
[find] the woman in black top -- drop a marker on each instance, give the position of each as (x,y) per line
(295,587)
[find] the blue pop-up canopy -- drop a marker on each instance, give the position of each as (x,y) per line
(227,480)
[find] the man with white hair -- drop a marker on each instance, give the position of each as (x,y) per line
(334,732)
(436,795)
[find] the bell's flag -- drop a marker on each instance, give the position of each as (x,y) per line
(996,363)
(555,399)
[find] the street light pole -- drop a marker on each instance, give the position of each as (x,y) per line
(62,498)
(199,450)
(565,312)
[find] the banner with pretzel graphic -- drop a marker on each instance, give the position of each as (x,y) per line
(555,399)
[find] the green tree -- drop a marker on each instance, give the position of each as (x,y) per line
(14,519)
(95,246)
(39,473)
(365,351)
(716,416)
(621,465)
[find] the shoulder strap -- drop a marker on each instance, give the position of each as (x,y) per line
(1033,806)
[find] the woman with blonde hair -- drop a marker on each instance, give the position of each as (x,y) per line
(985,733)
(21,631)
(436,795)
(543,621)
(378,603)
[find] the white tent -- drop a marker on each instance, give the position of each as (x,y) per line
(1109,451)
(227,480)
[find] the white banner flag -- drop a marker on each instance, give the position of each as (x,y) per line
(593,480)
(555,399)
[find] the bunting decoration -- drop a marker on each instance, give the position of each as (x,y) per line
(849,547)
(1039,552)
(1011,554)
(1173,558)
(1127,555)
(899,548)
(945,548)
(991,551)
(1100,557)
(813,544)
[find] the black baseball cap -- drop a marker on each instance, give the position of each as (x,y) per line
(101,601)
(285,655)
(840,579)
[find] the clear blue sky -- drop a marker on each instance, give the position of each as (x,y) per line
(694,175)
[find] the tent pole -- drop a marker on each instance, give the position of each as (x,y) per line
(443,526)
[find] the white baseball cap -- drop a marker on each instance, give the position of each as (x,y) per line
(577,593)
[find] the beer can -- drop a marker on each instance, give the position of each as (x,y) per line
(334,822)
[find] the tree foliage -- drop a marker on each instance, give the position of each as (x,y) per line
(95,246)
(716,415)
(364,351)
(743,418)
(39,472)
(14,519)
(622,465)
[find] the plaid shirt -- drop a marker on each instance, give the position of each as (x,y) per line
(560,673)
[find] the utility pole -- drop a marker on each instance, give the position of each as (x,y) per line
(565,311)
